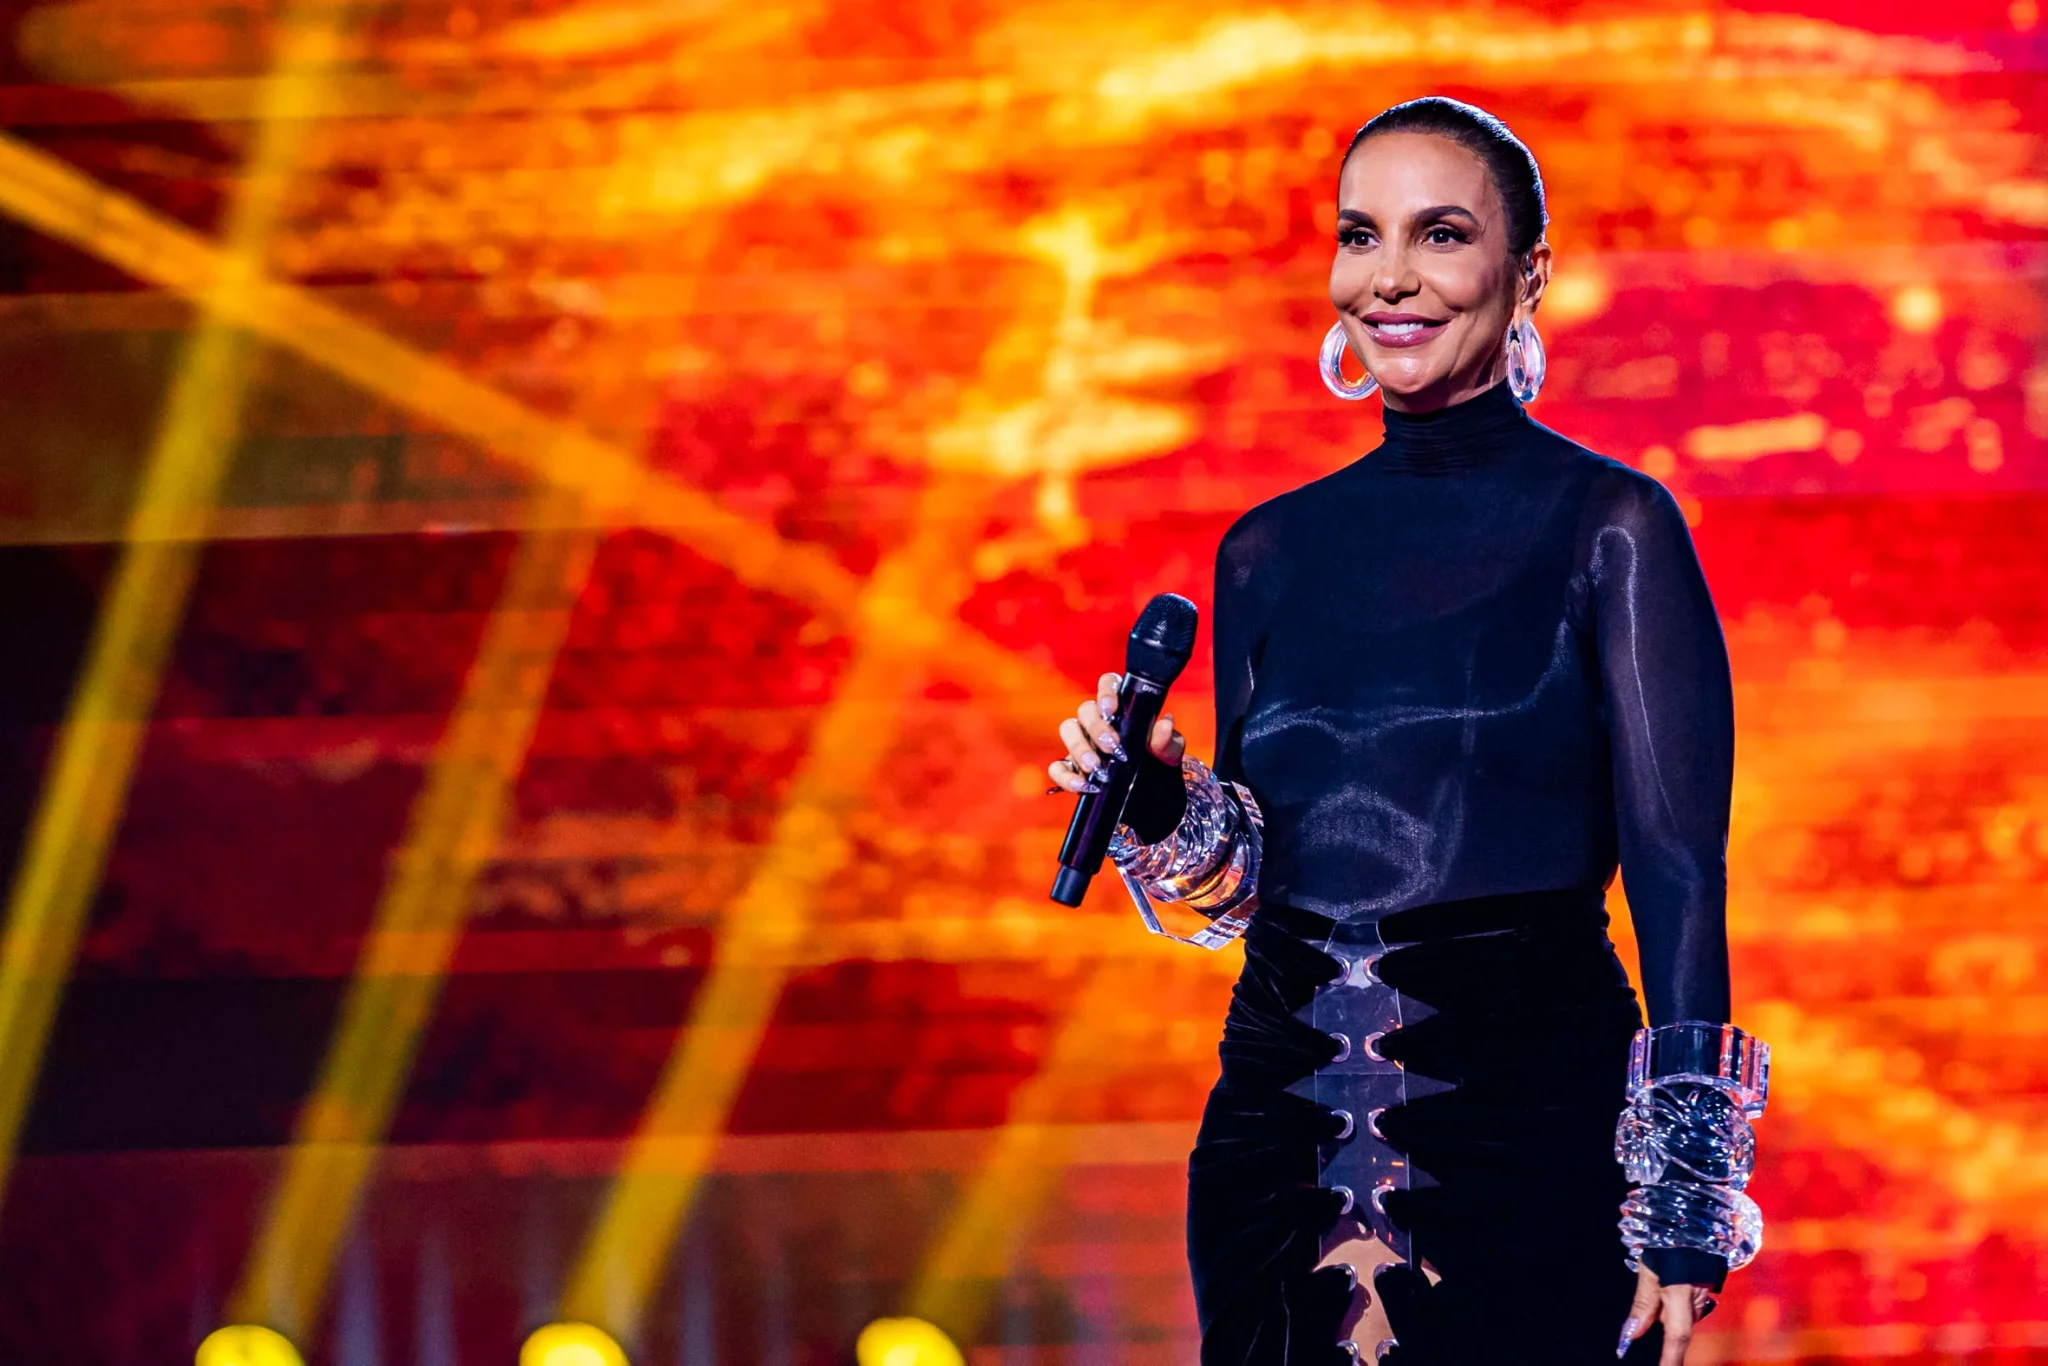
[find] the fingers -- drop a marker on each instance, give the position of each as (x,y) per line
(1677,1325)
(1066,778)
(1702,1302)
(1166,743)
(1101,732)
(1105,694)
(1090,734)
(1642,1311)
(1082,758)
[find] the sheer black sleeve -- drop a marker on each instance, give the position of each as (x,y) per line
(1671,724)
(1243,566)
(1244,562)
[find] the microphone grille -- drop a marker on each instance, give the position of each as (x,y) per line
(1163,639)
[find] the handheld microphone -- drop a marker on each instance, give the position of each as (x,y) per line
(1158,650)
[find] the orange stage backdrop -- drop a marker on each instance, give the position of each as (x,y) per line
(544,545)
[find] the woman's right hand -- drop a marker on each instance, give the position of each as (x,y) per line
(1677,1307)
(1089,735)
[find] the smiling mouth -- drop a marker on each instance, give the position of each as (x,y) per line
(1405,332)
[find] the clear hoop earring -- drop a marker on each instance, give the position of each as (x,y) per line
(1332,368)
(1526,361)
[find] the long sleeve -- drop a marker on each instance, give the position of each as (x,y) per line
(1246,546)
(1158,798)
(1671,725)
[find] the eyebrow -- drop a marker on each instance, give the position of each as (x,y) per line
(1435,211)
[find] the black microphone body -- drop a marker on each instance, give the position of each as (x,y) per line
(1158,650)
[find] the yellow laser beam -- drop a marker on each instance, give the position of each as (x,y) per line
(897,633)
(453,833)
(1021,1169)
(895,640)
(454,830)
(55,197)
(61,201)
(94,758)
(628,1245)
(58,199)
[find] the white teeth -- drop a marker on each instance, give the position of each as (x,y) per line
(1398,329)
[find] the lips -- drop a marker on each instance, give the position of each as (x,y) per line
(1401,329)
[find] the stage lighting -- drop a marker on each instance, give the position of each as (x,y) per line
(571,1344)
(246,1344)
(906,1342)
(1917,308)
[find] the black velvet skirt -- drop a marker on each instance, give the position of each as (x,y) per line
(1449,1078)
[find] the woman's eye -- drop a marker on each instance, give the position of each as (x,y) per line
(1442,236)
(1354,237)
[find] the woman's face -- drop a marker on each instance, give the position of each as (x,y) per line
(1423,281)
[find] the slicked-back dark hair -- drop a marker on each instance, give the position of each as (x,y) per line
(1506,157)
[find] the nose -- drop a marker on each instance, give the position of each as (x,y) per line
(1392,280)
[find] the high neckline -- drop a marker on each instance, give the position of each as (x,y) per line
(1468,433)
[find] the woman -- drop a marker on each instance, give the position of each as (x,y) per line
(1462,677)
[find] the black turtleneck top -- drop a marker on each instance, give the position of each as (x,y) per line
(1481,659)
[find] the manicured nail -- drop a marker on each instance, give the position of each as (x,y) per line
(1628,1334)
(1111,744)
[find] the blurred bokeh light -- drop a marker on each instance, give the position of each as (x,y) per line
(246,1344)
(571,1344)
(905,1342)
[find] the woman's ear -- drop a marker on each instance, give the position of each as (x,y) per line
(1535,276)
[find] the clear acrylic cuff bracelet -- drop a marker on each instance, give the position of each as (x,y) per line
(1208,865)
(1685,1141)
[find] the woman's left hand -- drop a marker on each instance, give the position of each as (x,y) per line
(1677,1307)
